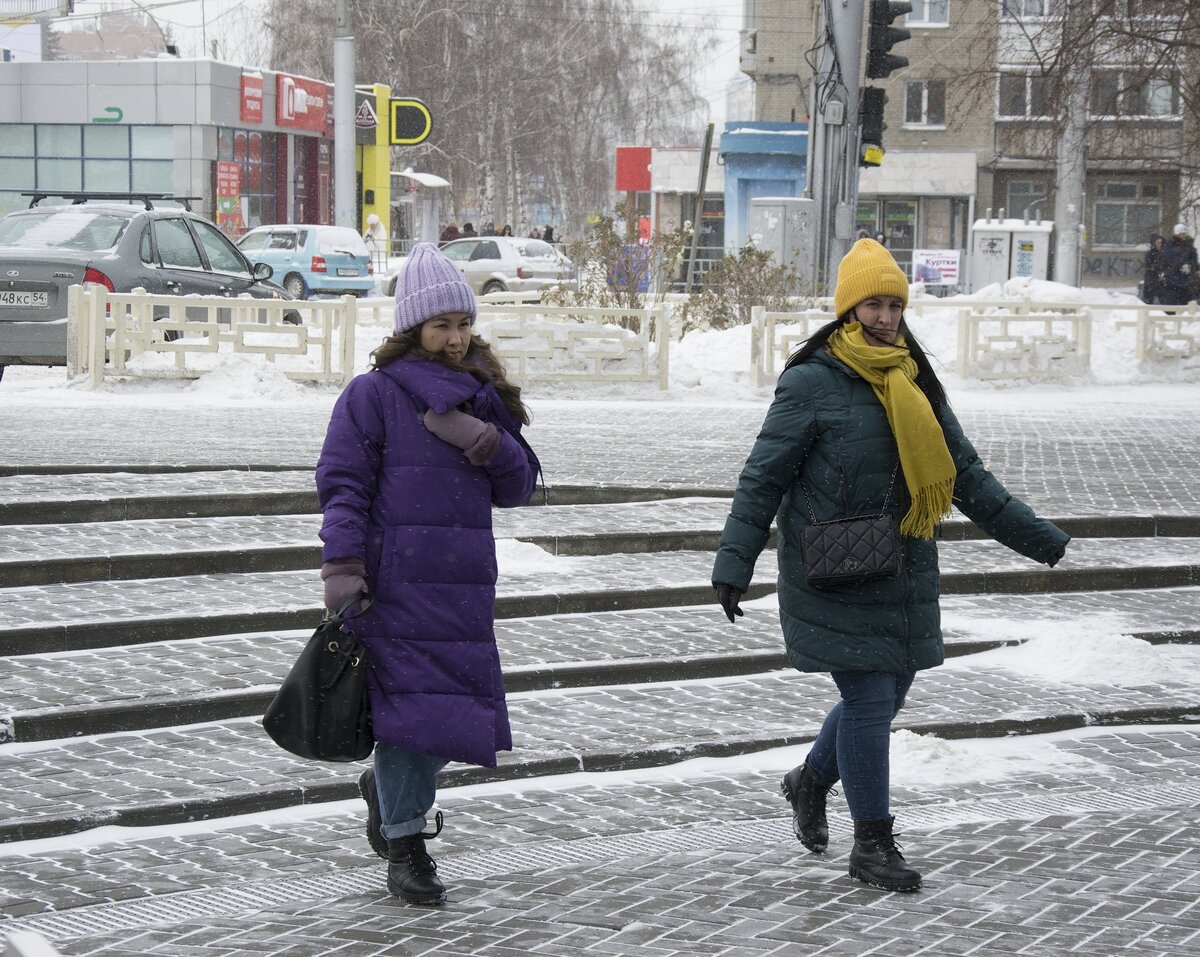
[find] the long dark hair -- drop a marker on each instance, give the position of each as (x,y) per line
(927,380)
(480,361)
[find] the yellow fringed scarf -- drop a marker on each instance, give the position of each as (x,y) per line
(925,460)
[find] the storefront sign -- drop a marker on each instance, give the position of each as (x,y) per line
(229,199)
(252,98)
(411,122)
(366,120)
(937,267)
(300,103)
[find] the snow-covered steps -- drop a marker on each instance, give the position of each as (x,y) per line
(206,770)
(45,553)
(62,617)
(211,679)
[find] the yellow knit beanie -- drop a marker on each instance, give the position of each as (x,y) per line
(867,270)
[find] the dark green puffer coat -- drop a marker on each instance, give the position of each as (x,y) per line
(827,429)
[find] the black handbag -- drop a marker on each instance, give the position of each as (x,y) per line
(321,711)
(847,551)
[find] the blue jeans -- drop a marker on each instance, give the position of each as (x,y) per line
(852,745)
(406,784)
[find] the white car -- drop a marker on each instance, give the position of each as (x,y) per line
(505,264)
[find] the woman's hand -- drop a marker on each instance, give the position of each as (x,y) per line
(728,596)
(344,581)
(478,439)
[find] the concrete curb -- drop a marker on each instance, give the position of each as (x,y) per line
(61,512)
(177,812)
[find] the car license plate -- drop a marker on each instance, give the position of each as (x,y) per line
(11,297)
(347,272)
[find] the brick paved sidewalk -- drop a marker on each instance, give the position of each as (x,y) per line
(1089,848)
(218,769)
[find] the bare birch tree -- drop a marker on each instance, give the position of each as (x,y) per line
(529,97)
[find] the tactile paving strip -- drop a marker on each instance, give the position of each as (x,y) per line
(252,897)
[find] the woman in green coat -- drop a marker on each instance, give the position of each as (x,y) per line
(860,426)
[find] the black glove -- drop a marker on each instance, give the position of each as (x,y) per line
(728,596)
(1056,557)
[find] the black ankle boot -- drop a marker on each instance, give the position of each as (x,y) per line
(806,793)
(366,787)
(412,874)
(875,858)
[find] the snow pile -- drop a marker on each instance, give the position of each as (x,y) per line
(244,377)
(525,558)
(921,761)
(1074,652)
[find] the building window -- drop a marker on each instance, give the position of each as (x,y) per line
(925,103)
(929,13)
(1027,198)
(259,156)
(1126,94)
(1125,213)
(1026,9)
(69,158)
(1023,97)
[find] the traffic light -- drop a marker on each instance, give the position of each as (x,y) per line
(870,113)
(882,36)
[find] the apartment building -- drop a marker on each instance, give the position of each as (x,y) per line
(970,126)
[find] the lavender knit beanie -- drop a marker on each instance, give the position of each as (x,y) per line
(430,285)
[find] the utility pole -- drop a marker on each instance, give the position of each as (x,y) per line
(832,180)
(345,183)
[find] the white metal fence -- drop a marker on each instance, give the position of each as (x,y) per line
(1001,339)
(136,333)
(170,336)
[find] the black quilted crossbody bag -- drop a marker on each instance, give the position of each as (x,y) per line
(847,551)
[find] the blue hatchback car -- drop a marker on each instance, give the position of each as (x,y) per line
(309,260)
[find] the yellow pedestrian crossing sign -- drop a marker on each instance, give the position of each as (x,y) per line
(411,122)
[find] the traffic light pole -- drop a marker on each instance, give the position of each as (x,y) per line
(833,144)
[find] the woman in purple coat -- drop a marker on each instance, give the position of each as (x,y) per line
(418,451)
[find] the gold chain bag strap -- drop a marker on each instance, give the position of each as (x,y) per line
(847,551)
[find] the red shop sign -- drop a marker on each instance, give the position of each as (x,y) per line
(300,103)
(252,98)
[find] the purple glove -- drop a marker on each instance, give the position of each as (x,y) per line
(477,438)
(344,580)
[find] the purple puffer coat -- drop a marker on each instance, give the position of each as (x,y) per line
(418,514)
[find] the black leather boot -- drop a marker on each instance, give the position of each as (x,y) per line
(366,787)
(412,874)
(806,792)
(875,858)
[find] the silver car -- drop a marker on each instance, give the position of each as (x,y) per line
(505,264)
(167,250)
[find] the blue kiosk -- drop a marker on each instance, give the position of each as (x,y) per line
(761,158)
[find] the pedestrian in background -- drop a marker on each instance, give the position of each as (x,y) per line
(1181,266)
(860,426)
(450,233)
(417,452)
(375,237)
(468,231)
(506,230)
(1154,272)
